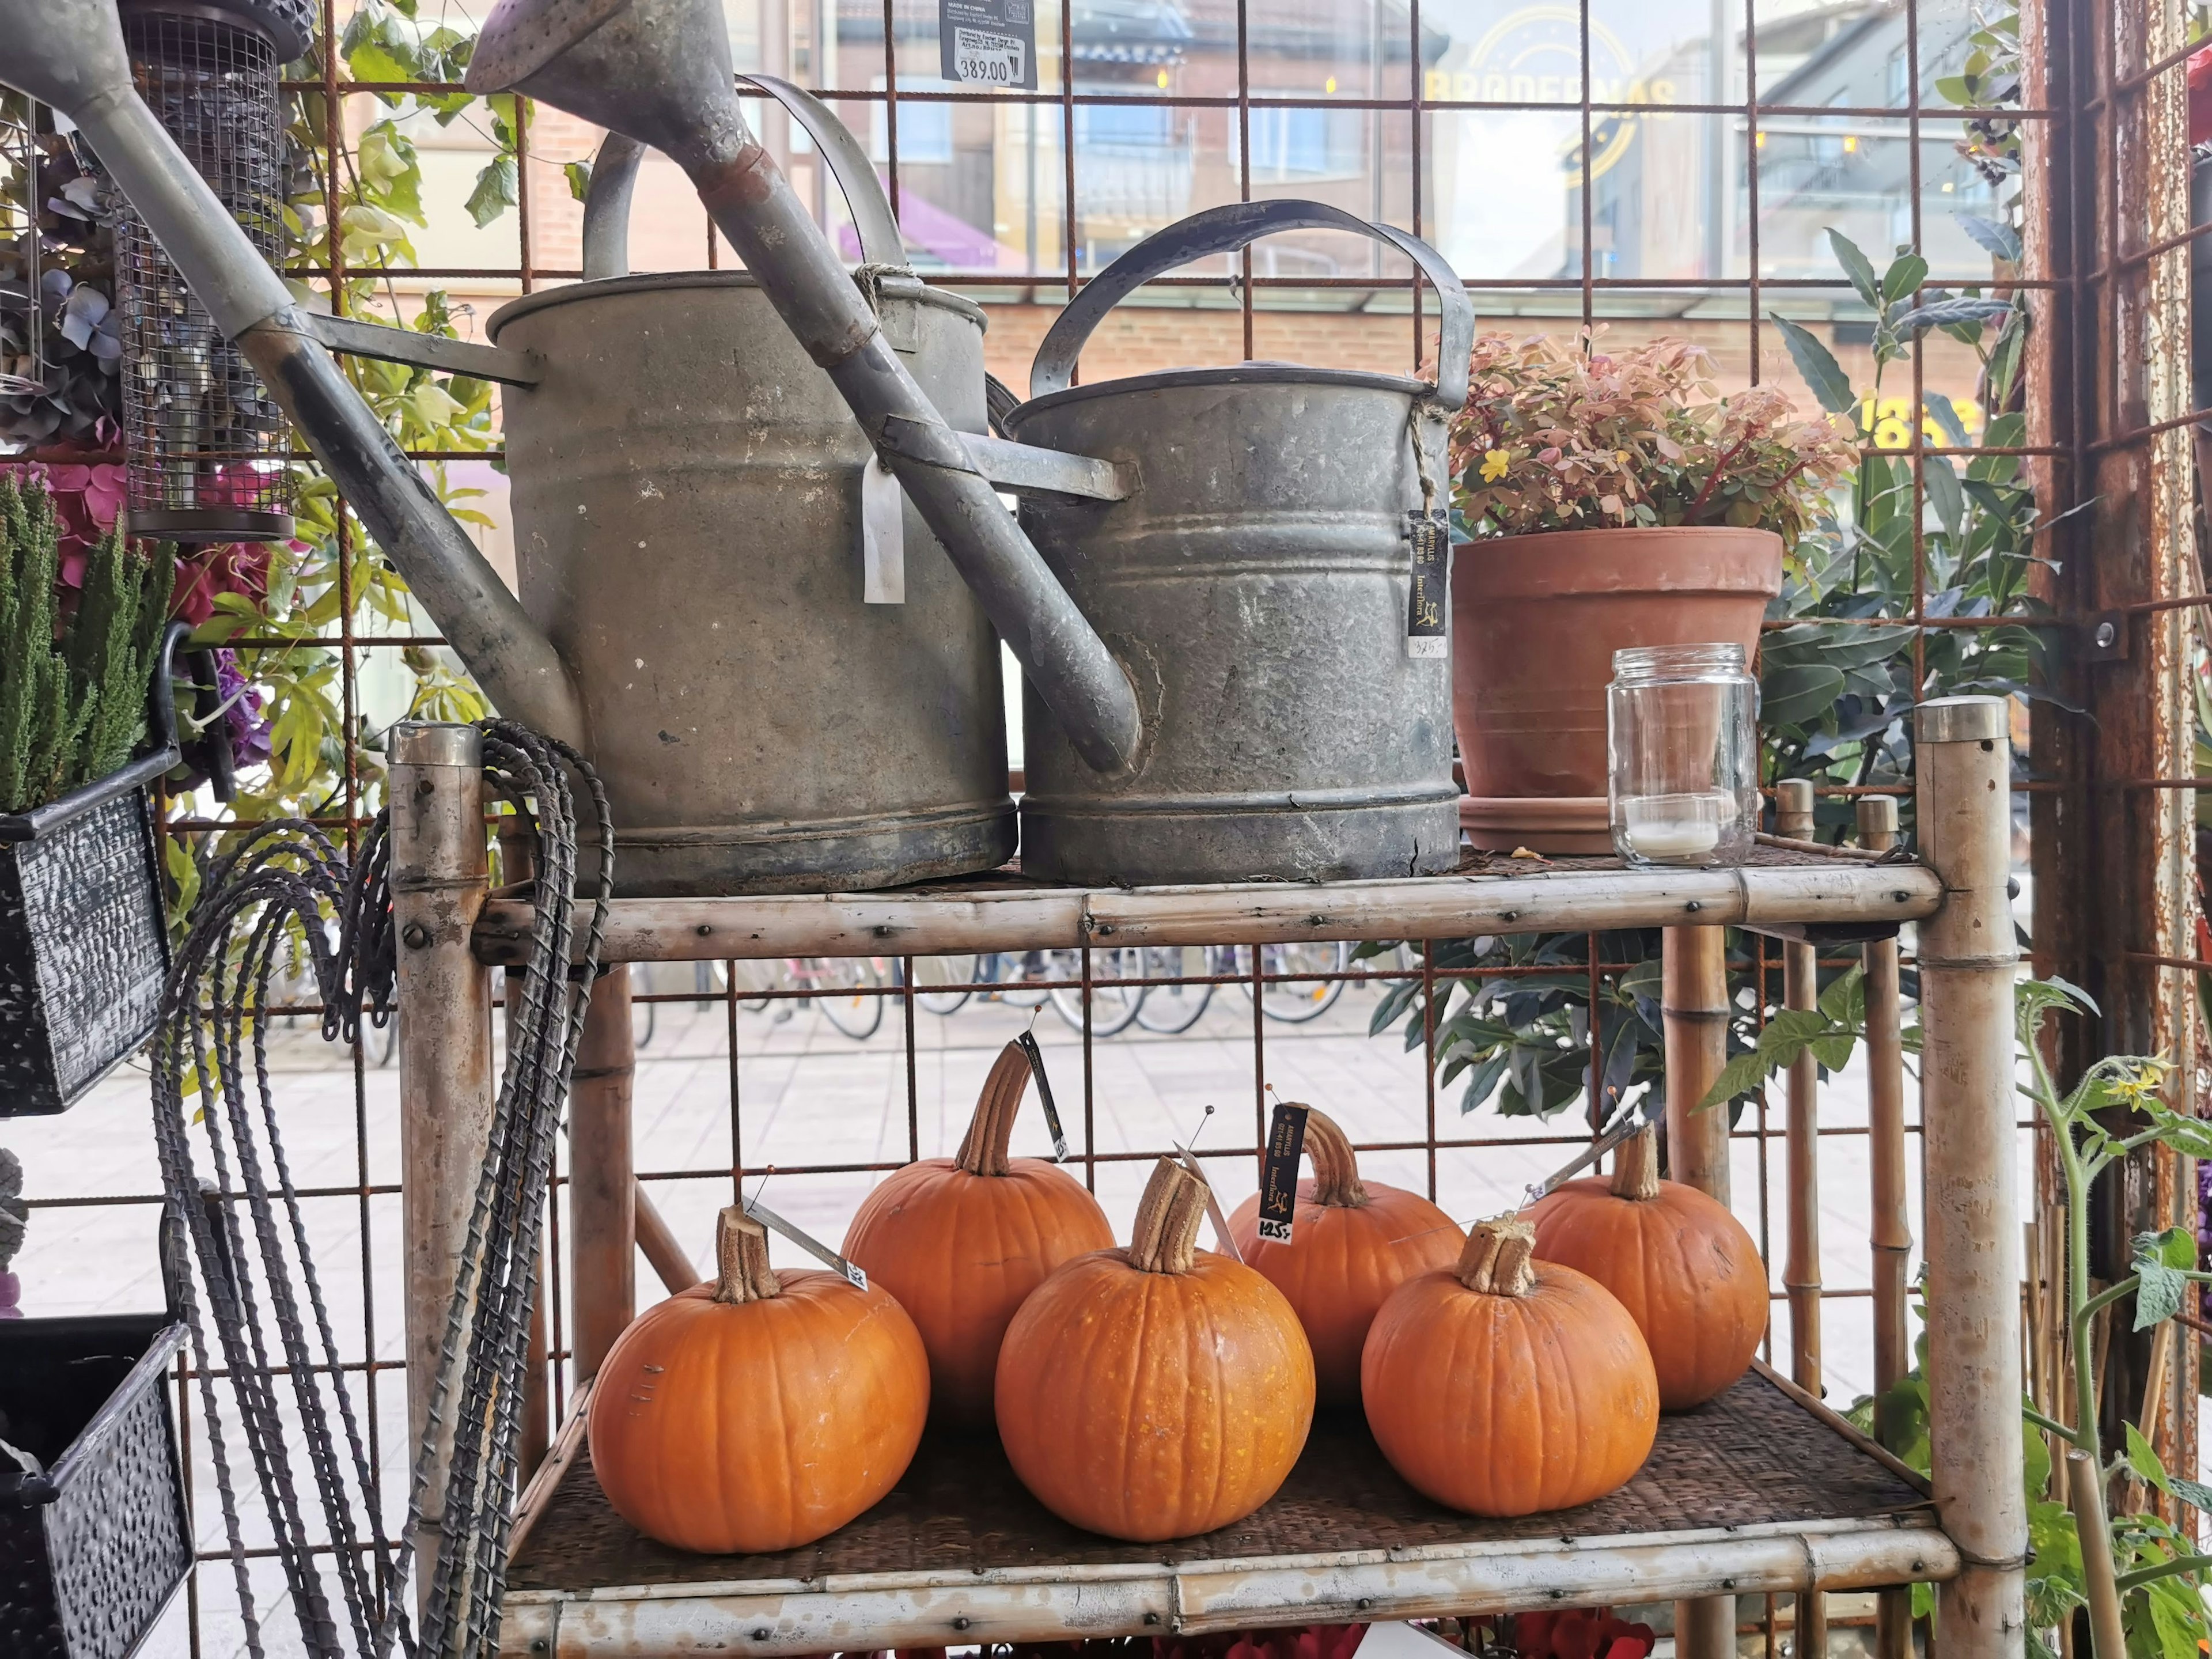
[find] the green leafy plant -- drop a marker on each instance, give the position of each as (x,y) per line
(1555,438)
(73,694)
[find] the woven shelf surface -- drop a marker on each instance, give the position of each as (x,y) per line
(1752,1457)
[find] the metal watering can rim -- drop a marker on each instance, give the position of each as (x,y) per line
(1226,229)
(903,287)
(1256,373)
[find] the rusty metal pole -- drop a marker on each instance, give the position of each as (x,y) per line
(1891,1235)
(1801,1268)
(1968,959)
(1694,1006)
(602,1181)
(445,1081)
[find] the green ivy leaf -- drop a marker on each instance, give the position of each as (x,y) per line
(579,174)
(495,192)
(2143,1459)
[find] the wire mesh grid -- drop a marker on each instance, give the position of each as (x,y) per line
(363,1188)
(23,323)
(207,450)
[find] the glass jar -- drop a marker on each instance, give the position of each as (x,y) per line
(1681,734)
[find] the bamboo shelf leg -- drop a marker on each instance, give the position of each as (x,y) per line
(1801,1271)
(1968,960)
(603,1183)
(1693,999)
(439,883)
(1892,1236)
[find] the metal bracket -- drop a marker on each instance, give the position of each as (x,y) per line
(403,345)
(1026,470)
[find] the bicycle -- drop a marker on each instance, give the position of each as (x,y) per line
(1172,1009)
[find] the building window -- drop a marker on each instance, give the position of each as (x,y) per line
(925,130)
(1304,143)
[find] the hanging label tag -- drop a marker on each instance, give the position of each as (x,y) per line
(990,43)
(1628,1121)
(1036,1057)
(1226,1245)
(883,535)
(1429,598)
(806,1241)
(1279,1172)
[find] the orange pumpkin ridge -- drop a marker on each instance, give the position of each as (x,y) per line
(1158,1391)
(761,1411)
(1678,1260)
(962,1242)
(1503,1387)
(1352,1243)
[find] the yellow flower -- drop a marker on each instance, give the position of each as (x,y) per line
(1494,463)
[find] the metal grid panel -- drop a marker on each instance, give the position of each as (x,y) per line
(1592,296)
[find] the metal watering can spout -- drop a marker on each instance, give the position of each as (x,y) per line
(69,54)
(660,71)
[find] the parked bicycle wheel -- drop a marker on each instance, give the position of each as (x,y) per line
(1113,1007)
(843,988)
(1297,1002)
(1169,1009)
(942,985)
(1006,975)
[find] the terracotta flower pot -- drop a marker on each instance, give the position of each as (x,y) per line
(1535,620)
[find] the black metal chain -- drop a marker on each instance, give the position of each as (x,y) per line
(283,890)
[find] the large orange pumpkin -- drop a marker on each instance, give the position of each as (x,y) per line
(1352,1243)
(1678,1262)
(960,1242)
(1507,1387)
(761,1411)
(1158,1391)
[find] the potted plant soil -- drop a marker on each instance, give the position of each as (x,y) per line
(83,944)
(1609,500)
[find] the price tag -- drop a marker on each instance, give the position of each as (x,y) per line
(990,43)
(1036,1057)
(807,1242)
(1221,1235)
(883,535)
(1279,1172)
(1429,600)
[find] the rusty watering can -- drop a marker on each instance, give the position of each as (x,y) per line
(1274,582)
(659,71)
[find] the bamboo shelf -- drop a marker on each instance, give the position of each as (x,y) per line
(1781,890)
(1761,1490)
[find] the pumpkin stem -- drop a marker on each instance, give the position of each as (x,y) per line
(1636,1166)
(1336,1170)
(741,1252)
(1496,1260)
(983,1149)
(1165,1238)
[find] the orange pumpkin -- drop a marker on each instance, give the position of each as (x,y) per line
(760,1412)
(1506,1386)
(1350,1244)
(960,1242)
(1158,1391)
(1680,1262)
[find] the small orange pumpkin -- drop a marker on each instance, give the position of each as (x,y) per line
(1678,1262)
(1504,1387)
(1160,1391)
(960,1242)
(1352,1243)
(759,1412)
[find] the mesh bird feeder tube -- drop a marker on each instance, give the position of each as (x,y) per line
(208,449)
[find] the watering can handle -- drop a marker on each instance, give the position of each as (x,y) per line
(614,175)
(1223,230)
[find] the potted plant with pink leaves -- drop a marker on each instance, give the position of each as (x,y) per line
(1607,500)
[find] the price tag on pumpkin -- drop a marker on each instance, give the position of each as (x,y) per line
(1627,1122)
(1221,1235)
(806,1241)
(1428,598)
(1036,1057)
(1279,1172)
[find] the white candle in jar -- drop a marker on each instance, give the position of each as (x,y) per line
(1678,828)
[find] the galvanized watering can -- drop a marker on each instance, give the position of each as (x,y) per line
(1273,581)
(659,71)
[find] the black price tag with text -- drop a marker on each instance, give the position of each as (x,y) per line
(1279,1172)
(1430,534)
(1036,1057)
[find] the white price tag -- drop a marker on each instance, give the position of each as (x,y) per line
(997,60)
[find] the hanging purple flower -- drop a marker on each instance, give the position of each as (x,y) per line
(247,726)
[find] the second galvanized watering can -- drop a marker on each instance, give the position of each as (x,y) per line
(1260,582)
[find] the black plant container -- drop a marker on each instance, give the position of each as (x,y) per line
(92,1547)
(83,950)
